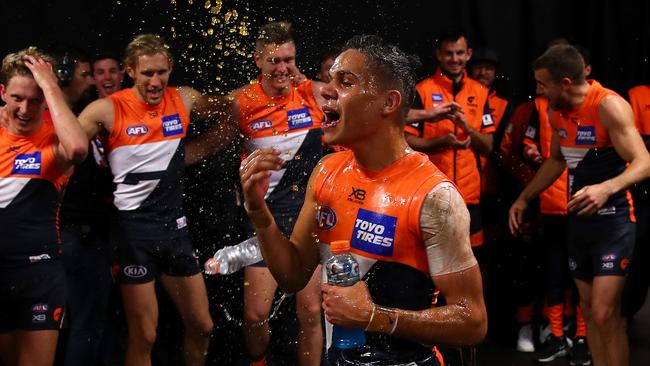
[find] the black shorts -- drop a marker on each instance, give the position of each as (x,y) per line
(600,250)
(142,260)
(33,297)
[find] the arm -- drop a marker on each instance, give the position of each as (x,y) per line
(432,145)
(222,132)
(616,116)
(463,321)
(291,261)
(73,144)
(480,142)
(439,112)
(548,173)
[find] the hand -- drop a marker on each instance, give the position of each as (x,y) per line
(42,71)
(531,154)
(459,119)
(4,118)
(347,306)
(296,76)
(516,216)
(589,199)
(255,173)
(452,142)
(444,111)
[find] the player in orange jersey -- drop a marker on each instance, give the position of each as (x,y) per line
(594,134)
(37,158)
(403,217)
(146,127)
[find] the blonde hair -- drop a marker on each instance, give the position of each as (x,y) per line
(14,63)
(146,44)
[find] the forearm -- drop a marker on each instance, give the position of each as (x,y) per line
(281,255)
(459,323)
(481,142)
(427,146)
(418,115)
(220,136)
(548,173)
(68,130)
(635,172)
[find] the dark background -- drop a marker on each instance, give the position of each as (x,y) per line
(217,60)
(616,32)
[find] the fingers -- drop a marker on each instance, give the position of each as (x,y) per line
(260,160)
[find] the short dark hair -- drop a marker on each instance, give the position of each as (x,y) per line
(274,33)
(451,35)
(562,61)
(395,67)
(107,55)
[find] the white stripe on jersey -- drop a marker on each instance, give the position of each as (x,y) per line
(10,188)
(573,155)
(288,144)
(144,158)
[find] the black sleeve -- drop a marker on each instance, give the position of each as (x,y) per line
(417,101)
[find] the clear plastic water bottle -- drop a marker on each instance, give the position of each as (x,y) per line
(343,270)
(231,259)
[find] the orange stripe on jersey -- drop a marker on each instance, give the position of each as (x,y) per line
(379,212)
(264,116)
(137,122)
(31,156)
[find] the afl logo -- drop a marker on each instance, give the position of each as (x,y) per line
(326,218)
(137,130)
(135,271)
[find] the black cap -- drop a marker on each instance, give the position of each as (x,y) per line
(485,54)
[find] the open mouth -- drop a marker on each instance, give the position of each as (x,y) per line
(23,118)
(332,117)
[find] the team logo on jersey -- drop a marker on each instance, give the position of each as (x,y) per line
(586,135)
(172,125)
(299,118)
(260,125)
(562,133)
(137,130)
(470,99)
(436,97)
(374,233)
(530,132)
(27,164)
(608,257)
(135,271)
(487,120)
(40,308)
(326,218)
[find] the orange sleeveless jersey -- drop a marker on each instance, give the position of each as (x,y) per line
(640,101)
(146,155)
(553,200)
(589,153)
(379,212)
(459,165)
(30,186)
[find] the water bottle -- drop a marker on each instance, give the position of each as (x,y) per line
(343,270)
(233,258)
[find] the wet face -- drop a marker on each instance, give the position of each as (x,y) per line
(24,104)
(82,81)
(108,76)
(554,91)
(484,72)
(150,77)
(453,56)
(353,101)
(324,72)
(276,63)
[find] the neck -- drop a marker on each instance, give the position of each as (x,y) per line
(578,95)
(456,78)
(382,149)
(272,91)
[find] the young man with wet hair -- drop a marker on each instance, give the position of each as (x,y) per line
(595,136)
(38,153)
(281,112)
(420,222)
(146,126)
